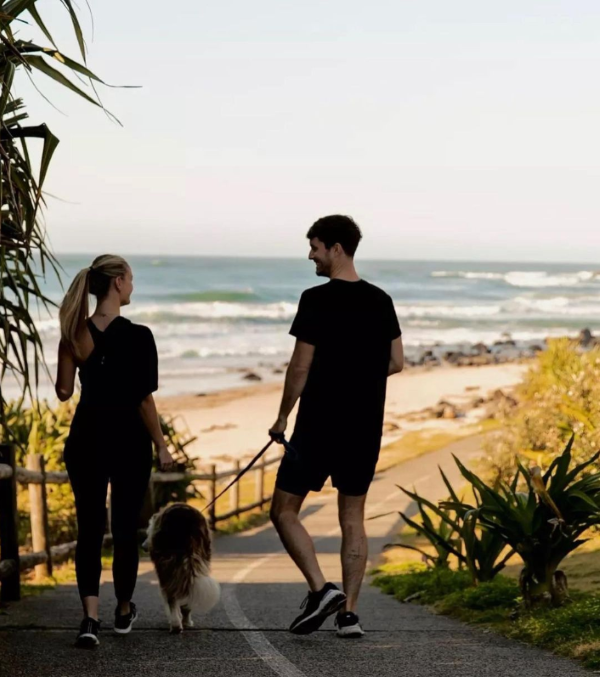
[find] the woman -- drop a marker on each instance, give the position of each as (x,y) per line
(112,431)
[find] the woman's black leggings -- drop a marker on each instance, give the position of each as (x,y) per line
(90,470)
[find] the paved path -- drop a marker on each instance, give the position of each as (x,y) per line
(246,635)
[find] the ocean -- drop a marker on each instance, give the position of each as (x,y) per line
(215,317)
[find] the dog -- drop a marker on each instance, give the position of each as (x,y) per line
(179,543)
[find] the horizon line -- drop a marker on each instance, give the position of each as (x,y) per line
(359,259)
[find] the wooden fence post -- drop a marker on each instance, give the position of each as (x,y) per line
(9,526)
(212,492)
(259,487)
(234,496)
(38,500)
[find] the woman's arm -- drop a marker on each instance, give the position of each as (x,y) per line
(150,419)
(65,373)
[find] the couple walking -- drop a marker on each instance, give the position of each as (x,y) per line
(348,341)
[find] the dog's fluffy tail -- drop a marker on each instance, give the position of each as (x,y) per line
(206,595)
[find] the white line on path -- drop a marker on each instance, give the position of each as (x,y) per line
(257,641)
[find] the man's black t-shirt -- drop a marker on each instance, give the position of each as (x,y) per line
(351,325)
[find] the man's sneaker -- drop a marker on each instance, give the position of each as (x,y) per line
(88,634)
(348,625)
(317,606)
(124,623)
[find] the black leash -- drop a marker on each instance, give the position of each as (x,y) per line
(279,438)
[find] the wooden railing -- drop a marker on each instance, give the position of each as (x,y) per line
(44,555)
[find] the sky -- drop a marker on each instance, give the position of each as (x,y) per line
(448,130)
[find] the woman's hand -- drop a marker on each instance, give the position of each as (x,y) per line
(165,460)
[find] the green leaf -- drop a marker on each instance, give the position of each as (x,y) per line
(40,64)
(427,555)
(39,21)
(50,144)
(586,499)
(13,9)
(420,501)
(7,83)
(451,491)
(77,28)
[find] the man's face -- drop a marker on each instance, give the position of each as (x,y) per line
(321,256)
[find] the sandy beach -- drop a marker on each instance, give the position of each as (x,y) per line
(233,424)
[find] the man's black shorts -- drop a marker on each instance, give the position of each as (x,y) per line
(306,469)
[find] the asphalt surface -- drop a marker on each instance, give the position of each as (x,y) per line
(246,635)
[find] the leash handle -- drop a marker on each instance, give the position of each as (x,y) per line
(279,438)
(239,476)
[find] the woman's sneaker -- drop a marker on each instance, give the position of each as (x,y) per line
(88,634)
(348,625)
(124,623)
(317,606)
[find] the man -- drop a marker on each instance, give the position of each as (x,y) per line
(348,341)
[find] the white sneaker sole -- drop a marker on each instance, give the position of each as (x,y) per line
(127,630)
(87,641)
(351,632)
(330,604)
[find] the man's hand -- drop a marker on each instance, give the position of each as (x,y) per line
(278,428)
(165,459)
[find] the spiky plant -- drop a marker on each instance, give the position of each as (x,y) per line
(24,251)
(543,517)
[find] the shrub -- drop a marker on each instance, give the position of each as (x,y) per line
(427,586)
(543,523)
(559,396)
(502,592)
(452,529)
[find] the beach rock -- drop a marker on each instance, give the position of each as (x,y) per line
(429,357)
(477,402)
(482,360)
(251,376)
(586,338)
(389,427)
(481,349)
(446,410)
(500,404)
(451,412)
(279,371)
(453,357)
(506,340)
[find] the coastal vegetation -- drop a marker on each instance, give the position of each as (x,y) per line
(25,254)
(499,550)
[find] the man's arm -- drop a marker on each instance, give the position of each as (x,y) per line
(396,357)
(295,380)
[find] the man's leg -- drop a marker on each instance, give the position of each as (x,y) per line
(285,510)
(354,546)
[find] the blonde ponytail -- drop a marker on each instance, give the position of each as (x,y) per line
(74,310)
(95,280)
